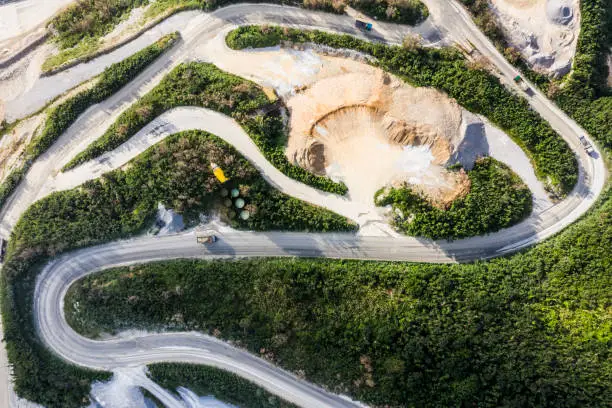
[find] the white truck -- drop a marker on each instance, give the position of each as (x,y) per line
(586,145)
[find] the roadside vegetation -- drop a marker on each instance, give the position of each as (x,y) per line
(497,199)
(532,329)
(445,69)
(223,385)
(62,116)
(123,203)
(78,31)
(583,94)
(204,85)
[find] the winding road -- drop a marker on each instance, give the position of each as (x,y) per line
(448,23)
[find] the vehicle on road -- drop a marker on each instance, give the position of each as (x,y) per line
(522,84)
(207,239)
(586,145)
(362,25)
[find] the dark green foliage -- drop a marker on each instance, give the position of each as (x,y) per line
(497,199)
(122,203)
(585,94)
(111,80)
(446,70)
(37,373)
(410,12)
(204,85)
(223,385)
(62,116)
(11,182)
(90,18)
(533,330)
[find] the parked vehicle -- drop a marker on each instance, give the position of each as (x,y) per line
(587,146)
(362,25)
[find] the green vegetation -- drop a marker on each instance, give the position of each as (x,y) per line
(584,94)
(63,115)
(90,19)
(446,70)
(79,29)
(497,199)
(223,385)
(410,12)
(204,85)
(530,330)
(122,203)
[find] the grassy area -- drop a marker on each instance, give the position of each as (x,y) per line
(60,117)
(204,85)
(224,386)
(529,330)
(122,203)
(497,199)
(445,69)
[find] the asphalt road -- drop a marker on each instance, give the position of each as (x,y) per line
(58,276)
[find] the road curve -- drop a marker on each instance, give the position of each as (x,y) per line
(58,275)
(176,347)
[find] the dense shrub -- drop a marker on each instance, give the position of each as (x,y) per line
(89,18)
(111,80)
(204,85)
(446,70)
(63,115)
(177,173)
(223,385)
(533,330)
(410,12)
(585,94)
(497,199)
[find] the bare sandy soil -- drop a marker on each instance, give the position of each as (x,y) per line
(369,129)
(544,31)
(14,143)
(355,123)
(19,17)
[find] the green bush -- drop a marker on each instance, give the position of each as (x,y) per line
(204,85)
(410,12)
(177,173)
(90,19)
(532,330)
(497,199)
(111,80)
(63,115)
(445,69)
(585,94)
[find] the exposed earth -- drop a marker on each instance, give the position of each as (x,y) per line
(544,31)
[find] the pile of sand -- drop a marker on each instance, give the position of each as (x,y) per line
(370,129)
(544,31)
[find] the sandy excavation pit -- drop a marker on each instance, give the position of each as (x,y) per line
(369,129)
(544,31)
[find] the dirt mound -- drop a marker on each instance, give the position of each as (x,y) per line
(369,129)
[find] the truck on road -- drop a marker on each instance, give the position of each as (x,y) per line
(586,145)
(362,25)
(522,84)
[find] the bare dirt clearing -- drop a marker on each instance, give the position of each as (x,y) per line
(353,122)
(544,31)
